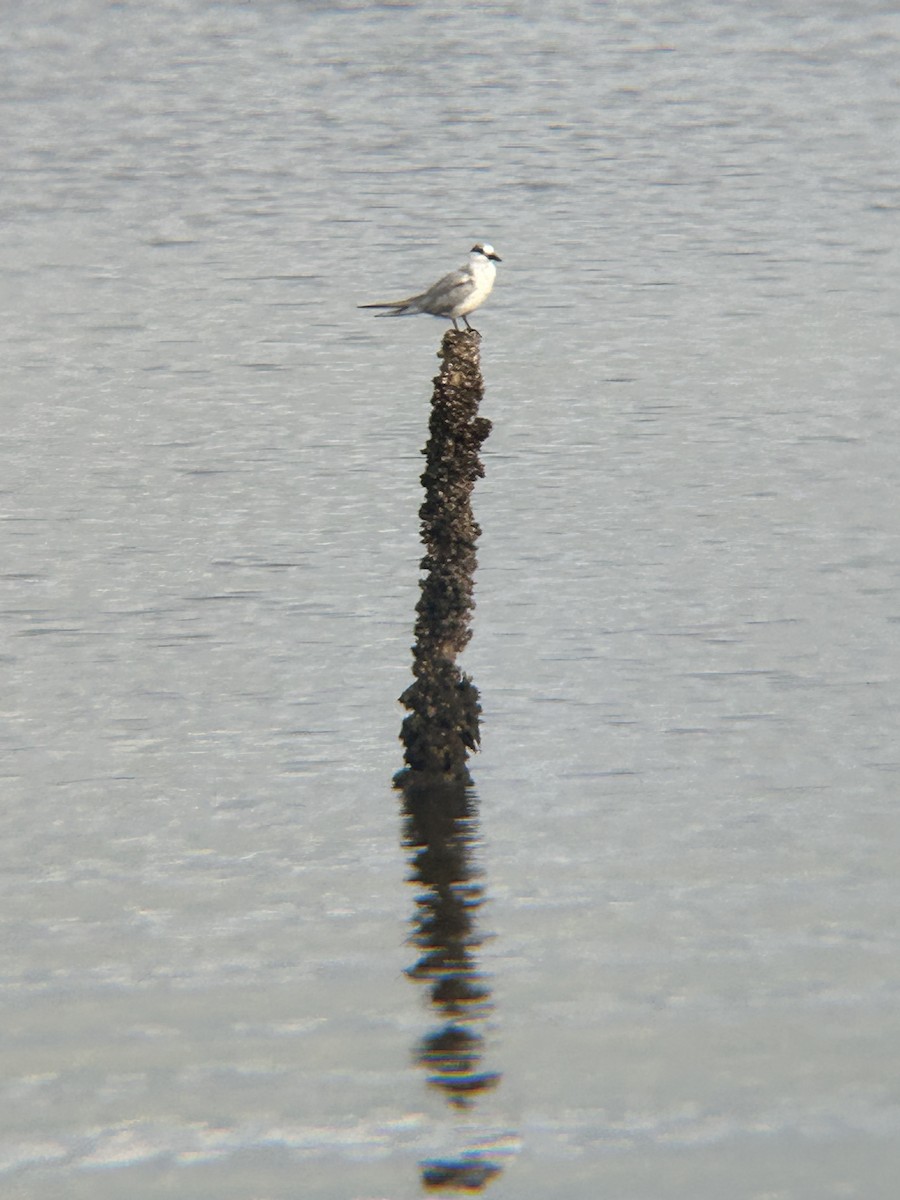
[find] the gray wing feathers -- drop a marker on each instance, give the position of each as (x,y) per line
(439,300)
(447,292)
(398,308)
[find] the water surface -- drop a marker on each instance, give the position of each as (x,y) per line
(684,828)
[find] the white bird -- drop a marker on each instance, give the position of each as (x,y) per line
(456,295)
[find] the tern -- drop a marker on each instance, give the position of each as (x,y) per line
(456,295)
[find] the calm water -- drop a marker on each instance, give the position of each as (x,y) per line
(680,862)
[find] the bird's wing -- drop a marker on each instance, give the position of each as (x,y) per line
(449,290)
(390,303)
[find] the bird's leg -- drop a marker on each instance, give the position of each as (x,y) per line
(455,326)
(470,328)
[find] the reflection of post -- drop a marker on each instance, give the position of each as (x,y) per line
(439,828)
(442,727)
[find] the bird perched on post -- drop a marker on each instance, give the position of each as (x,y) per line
(454,296)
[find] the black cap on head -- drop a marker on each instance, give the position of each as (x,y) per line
(487,250)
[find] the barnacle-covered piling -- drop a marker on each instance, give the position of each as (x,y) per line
(443,722)
(440,808)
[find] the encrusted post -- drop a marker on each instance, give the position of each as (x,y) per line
(440,808)
(443,724)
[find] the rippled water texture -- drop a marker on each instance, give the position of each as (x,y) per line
(653,954)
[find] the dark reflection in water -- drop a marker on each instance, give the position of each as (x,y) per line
(468,1177)
(440,826)
(439,831)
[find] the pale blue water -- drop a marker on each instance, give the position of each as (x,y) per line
(686,634)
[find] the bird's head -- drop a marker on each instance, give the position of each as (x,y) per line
(486,250)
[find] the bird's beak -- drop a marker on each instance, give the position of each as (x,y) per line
(495,257)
